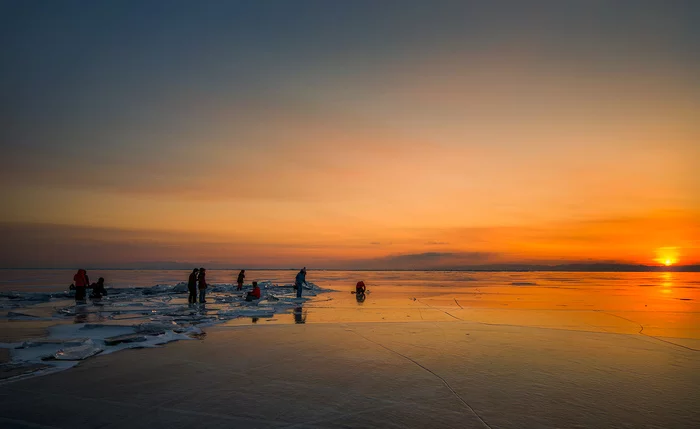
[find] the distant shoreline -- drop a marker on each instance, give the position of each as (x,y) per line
(590,268)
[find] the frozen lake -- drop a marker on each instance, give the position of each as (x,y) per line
(422,349)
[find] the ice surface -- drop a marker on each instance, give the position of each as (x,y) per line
(374,375)
(83,351)
(133,317)
(662,307)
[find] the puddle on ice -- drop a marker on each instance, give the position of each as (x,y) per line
(130,318)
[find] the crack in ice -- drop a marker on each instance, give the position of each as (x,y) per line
(439,309)
(466,404)
(641,332)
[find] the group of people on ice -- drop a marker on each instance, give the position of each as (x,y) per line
(252,295)
(198,277)
(81,283)
(196,282)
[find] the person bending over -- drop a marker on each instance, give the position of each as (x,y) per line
(98,289)
(299,281)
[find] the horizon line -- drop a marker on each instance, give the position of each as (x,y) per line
(581,267)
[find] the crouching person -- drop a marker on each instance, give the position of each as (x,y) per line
(98,289)
(254,294)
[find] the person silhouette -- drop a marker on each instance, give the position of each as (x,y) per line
(192,286)
(202,285)
(239,280)
(360,290)
(81,282)
(299,281)
(254,294)
(98,289)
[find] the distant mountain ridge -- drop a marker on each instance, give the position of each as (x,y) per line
(592,267)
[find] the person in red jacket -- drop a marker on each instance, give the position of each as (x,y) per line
(202,285)
(360,291)
(254,294)
(81,281)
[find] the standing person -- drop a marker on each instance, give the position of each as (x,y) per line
(192,286)
(202,285)
(299,281)
(80,280)
(241,276)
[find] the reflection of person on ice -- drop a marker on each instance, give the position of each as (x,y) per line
(300,281)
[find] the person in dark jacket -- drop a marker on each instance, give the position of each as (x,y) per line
(299,281)
(254,294)
(241,277)
(202,285)
(81,282)
(98,289)
(192,286)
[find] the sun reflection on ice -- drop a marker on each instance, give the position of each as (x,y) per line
(666,282)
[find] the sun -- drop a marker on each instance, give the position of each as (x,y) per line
(667,256)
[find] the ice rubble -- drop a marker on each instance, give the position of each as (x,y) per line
(133,318)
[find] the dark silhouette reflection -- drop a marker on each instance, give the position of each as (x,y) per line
(99,316)
(81,314)
(299,315)
(360,297)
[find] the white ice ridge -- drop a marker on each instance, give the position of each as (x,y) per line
(133,318)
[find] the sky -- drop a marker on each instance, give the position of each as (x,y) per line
(338,134)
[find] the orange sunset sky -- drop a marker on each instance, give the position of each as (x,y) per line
(350,134)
